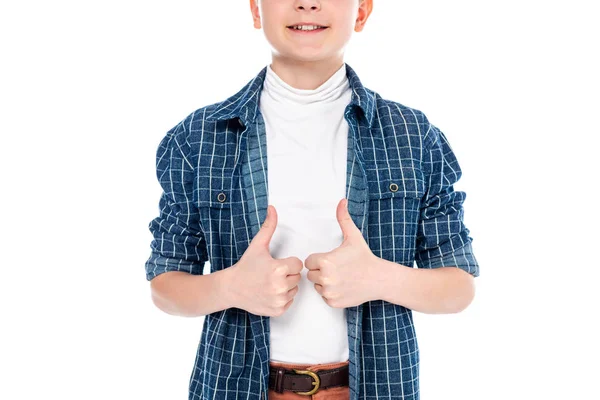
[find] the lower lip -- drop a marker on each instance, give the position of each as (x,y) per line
(306,32)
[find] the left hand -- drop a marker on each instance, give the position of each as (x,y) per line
(345,276)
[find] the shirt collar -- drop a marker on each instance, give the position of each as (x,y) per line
(244,104)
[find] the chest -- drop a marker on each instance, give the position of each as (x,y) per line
(383,182)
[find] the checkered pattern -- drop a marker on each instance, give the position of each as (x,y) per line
(401,169)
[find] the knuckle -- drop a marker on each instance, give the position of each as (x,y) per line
(279,312)
(280,269)
(281,291)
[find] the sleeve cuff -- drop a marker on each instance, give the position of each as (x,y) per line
(158,264)
(462,258)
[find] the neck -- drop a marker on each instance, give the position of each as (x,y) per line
(307,75)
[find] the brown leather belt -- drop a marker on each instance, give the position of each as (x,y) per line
(305,382)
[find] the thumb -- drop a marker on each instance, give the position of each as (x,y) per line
(345,220)
(264,235)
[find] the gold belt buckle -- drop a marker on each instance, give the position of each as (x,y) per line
(317,381)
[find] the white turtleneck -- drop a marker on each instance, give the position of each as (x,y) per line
(307,153)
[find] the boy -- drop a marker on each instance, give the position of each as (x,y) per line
(311,197)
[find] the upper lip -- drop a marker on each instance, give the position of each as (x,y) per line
(306,23)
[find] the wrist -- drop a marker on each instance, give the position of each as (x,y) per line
(385,278)
(227,286)
(379,277)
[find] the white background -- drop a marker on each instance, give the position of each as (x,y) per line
(88,89)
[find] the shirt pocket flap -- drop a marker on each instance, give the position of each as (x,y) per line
(396,182)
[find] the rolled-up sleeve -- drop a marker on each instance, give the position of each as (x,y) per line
(178,242)
(442,238)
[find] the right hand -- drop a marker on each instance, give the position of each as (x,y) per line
(261,284)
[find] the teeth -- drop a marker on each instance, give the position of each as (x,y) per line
(306,27)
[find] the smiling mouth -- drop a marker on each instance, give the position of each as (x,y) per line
(291,28)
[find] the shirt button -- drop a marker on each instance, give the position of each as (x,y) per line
(393,187)
(221,197)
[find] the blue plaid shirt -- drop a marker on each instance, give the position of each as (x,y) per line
(401,169)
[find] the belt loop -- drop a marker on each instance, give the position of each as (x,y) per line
(279,379)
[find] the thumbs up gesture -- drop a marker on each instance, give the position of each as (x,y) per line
(261,284)
(347,275)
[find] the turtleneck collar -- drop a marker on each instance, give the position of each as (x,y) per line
(332,89)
